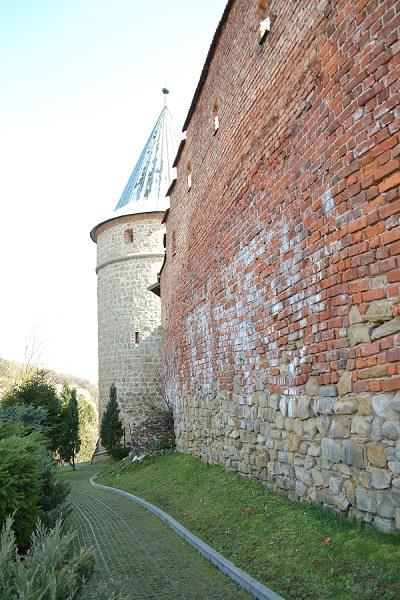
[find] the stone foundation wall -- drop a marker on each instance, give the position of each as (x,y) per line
(280,291)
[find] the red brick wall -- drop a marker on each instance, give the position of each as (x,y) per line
(288,236)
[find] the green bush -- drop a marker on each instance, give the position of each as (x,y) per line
(20,485)
(37,391)
(119,452)
(70,441)
(30,485)
(51,570)
(32,417)
(88,424)
(164,443)
(111,427)
(54,491)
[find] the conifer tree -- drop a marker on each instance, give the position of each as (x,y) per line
(70,439)
(111,427)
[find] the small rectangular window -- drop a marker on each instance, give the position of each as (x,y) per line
(265,28)
(137,337)
(128,235)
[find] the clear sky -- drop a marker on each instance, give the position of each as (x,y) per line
(80,85)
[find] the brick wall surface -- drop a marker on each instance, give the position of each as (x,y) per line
(281,305)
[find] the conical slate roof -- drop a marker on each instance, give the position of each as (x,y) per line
(152,175)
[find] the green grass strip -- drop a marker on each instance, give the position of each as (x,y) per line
(279,542)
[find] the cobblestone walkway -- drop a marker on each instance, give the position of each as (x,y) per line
(137,554)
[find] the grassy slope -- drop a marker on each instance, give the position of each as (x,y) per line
(278,541)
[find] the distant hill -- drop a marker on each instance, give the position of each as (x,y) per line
(11,371)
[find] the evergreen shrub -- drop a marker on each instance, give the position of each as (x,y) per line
(51,569)
(111,427)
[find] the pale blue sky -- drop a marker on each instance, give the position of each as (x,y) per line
(80,85)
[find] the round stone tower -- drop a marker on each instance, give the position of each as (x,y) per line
(130,252)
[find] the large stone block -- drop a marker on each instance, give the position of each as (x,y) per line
(376,455)
(359,334)
(328,390)
(304,407)
(397,518)
(387,504)
(347,406)
(361,426)
(312,387)
(331,450)
(324,405)
(388,328)
(340,427)
(373,372)
(391,430)
(387,405)
(394,466)
(345,383)
(384,525)
(380,479)
(379,310)
(354,454)
(355,316)
(366,500)
(320,477)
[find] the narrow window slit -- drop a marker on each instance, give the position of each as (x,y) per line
(265,28)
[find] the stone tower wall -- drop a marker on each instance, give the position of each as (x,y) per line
(125,269)
(280,291)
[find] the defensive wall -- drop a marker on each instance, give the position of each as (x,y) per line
(280,290)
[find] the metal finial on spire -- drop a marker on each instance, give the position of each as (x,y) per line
(165,91)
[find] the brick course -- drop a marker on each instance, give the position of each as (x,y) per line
(281,301)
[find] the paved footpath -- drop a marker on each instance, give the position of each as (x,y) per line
(139,555)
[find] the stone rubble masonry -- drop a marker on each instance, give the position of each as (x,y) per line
(280,299)
(125,306)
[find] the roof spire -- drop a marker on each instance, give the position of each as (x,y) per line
(149,181)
